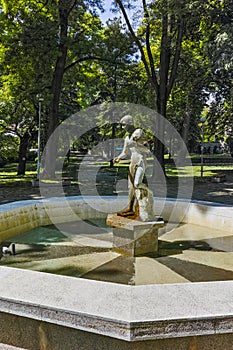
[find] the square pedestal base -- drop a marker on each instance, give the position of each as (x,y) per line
(132,237)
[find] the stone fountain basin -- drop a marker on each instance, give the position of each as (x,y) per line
(116,314)
(22,216)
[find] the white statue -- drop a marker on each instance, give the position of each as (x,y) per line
(134,144)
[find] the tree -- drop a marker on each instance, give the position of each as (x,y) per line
(37,39)
(165,20)
(219,51)
(18,123)
(25,54)
(174,37)
(71,16)
(204,80)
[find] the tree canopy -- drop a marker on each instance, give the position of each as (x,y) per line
(172,56)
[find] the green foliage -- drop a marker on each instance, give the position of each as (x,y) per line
(104,64)
(204,76)
(8,147)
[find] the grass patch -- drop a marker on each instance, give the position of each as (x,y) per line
(195,170)
(9,177)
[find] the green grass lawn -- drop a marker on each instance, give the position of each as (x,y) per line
(195,170)
(8,173)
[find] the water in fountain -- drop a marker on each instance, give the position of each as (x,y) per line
(88,254)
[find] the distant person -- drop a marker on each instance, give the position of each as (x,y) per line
(230,145)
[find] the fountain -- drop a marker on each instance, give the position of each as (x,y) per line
(61,312)
(155,306)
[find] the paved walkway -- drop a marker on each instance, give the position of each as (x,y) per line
(203,190)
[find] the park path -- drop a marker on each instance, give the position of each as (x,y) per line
(203,190)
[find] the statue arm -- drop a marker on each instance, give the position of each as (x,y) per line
(125,152)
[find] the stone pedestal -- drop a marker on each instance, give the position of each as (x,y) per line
(132,237)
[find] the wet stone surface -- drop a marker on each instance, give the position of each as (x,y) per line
(89,254)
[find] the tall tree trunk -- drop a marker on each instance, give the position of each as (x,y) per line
(168,65)
(162,94)
(53,118)
(24,140)
(159,144)
(186,127)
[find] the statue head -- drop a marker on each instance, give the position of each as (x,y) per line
(127,120)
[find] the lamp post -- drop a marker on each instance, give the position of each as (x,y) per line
(40,100)
(202,120)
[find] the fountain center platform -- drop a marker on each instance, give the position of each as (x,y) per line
(133,237)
